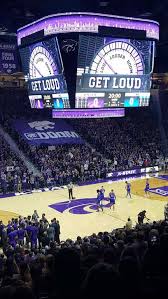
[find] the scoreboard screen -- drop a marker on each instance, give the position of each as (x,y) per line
(113,72)
(44,74)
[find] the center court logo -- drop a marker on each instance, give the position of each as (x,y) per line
(78,206)
(162,191)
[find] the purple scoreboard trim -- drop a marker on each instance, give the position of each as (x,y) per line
(88,113)
(86,22)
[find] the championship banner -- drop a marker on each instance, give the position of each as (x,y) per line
(48,132)
(8,58)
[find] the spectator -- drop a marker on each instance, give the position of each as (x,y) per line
(128,224)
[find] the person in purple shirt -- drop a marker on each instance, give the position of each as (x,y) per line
(15,224)
(21,235)
(12,236)
(9,227)
(1,230)
(1,227)
(34,234)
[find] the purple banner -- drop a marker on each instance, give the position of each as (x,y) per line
(50,132)
(8,58)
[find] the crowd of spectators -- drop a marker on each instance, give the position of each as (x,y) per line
(61,164)
(12,168)
(65,163)
(129,142)
(116,144)
(164,111)
(125,262)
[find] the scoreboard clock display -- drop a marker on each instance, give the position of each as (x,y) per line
(117,58)
(113,72)
(41,63)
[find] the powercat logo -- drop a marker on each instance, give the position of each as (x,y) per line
(42,125)
(162,191)
(79,206)
(47,132)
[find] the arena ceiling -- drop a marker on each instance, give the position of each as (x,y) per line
(17,13)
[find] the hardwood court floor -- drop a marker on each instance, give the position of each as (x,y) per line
(84,224)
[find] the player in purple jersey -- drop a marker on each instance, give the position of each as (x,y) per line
(98,201)
(147,187)
(102,192)
(34,235)
(21,235)
(9,227)
(112,198)
(15,224)
(12,237)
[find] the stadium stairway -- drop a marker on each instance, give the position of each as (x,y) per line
(18,152)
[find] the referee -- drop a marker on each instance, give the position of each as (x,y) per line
(70,190)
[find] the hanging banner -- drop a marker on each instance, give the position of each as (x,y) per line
(8,58)
(47,132)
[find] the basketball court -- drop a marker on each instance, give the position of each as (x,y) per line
(80,216)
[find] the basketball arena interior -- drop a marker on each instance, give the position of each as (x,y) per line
(83,149)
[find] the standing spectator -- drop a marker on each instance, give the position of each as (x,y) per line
(35,216)
(19,186)
(128,224)
(51,232)
(32,181)
(166,211)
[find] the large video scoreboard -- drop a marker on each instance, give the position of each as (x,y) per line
(94,70)
(113,72)
(44,74)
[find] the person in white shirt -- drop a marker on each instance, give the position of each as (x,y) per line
(70,191)
(128,224)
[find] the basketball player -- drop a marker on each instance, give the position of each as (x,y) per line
(102,191)
(112,198)
(147,187)
(70,191)
(128,189)
(98,201)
